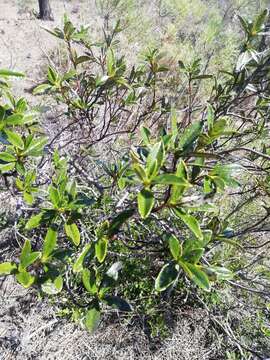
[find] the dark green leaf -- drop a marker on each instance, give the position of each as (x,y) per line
(118,303)
(119,220)
(167,276)
(175,247)
(89,281)
(190,135)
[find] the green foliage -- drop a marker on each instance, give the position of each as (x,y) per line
(151,220)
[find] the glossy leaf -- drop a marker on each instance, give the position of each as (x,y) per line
(118,303)
(73,233)
(113,271)
(145,202)
(197,275)
(101,249)
(191,222)
(49,243)
(89,281)
(167,276)
(175,247)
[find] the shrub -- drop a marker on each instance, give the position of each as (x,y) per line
(160,216)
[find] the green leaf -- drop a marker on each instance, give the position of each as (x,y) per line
(28,197)
(6,72)
(167,276)
(157,153)
(40,89)
(7,268)
(192,255)
(243,59)
(218,128)
(119,220)
(258,24)
(92,319)
(145,133)
(190,135)
(35,148)
(175,247)
(82,59)
(110,63)
(244,24)
(174,127)
(89,281)
(7,157)
(139,170)
(170,179)
(197,275)
(52,75)
(15,119)
(15,139)
(27,256)
(201,77)
(25,279)
(101,249)
(34,221)
(56,32)
(118,303)
(26,250)
(191,222)
(49,243)
(226,173)
(78,265)
(73,233)
(53,286)
(145,202)
(221,272)
(178,190)
(152,171)
(54,196)
(7,167)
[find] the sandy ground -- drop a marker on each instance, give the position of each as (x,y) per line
(25,46)
(29,329)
